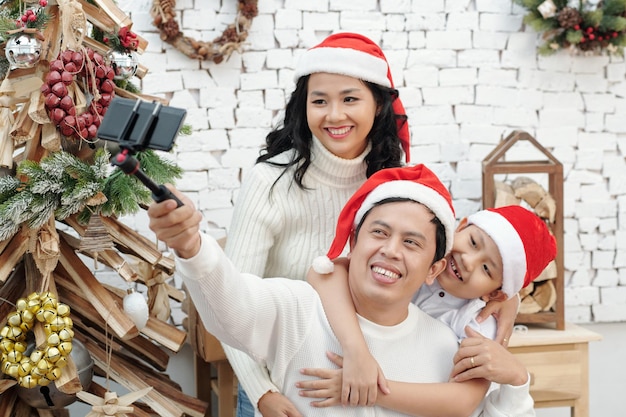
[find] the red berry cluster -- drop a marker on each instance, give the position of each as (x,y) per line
(29,15)
(128,39)
(590,34)
(60,104)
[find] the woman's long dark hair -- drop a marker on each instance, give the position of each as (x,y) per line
(295,133)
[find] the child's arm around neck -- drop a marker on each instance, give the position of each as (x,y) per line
(361,374)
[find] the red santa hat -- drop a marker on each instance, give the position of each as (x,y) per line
(416,183)
(356,56)
(525,243)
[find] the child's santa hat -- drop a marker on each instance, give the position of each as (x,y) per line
(416,183)
(525,243)
(356,56)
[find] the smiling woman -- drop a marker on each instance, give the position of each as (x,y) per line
(288,202)
(341,113)
(164,15)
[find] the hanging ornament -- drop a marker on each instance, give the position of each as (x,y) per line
(23,50)
(111,405)
(78,117)
(158,293)
(136,307)
(44,245)
(124,64)
(547,9)
(96,238)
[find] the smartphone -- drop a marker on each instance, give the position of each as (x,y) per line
(139,124)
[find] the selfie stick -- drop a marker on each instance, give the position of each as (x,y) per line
(130,165)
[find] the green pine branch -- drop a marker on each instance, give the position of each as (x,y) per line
(613,24)
(160,170)
(63,185)
(614,7)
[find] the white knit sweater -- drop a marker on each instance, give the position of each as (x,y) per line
(279,236)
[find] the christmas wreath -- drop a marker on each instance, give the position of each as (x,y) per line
(44,364)
(60,93)
(164,15)
(578,26)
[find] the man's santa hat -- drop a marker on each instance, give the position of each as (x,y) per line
(356,56)
(416,183)
(525,243)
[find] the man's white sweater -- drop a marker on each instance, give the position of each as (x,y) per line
(281,322)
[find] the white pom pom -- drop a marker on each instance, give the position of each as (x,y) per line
(136,308)
(323,265)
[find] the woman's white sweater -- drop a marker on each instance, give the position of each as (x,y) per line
(276,232)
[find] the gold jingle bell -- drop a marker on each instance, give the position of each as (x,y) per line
(65,348)
(14,319)
(28,381)
(6,345)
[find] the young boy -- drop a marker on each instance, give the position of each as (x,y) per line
(495,253)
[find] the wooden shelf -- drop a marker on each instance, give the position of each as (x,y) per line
(558,364)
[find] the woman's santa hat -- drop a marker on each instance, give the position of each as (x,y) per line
(356,56)
(416,183)
(525,243)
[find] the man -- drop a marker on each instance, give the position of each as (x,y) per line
(400,225)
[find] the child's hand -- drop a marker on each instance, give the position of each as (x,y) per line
(275,404)
(332,385)
(505,313)
(361,378)
(327,386)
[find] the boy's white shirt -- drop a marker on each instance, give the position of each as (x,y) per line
(455,312)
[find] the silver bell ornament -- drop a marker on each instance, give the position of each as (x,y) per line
(124,64)
(23,50)
(49,397)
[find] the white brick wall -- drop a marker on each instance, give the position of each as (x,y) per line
(468,74)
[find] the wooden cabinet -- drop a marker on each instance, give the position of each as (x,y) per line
(558,363)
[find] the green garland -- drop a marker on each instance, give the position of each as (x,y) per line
(584,28)
(63,185)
